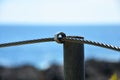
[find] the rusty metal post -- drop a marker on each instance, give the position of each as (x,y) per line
(74,61)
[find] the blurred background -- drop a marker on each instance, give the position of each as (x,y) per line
(97,20)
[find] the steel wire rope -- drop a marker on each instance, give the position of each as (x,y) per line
(76,39)
(26,42)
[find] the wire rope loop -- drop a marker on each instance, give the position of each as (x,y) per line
(59,36)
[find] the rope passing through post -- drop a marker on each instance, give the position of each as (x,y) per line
(60,38)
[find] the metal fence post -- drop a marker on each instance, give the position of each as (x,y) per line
(74,61)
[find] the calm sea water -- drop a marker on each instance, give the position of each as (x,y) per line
(43,54)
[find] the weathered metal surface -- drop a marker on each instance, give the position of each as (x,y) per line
(74,61)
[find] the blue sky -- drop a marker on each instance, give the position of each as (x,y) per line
(97,20)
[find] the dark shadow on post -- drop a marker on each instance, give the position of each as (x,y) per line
(74,61)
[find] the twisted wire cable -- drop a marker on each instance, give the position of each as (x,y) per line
(26,42)
(78,39)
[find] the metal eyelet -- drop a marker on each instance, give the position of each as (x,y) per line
(59,36)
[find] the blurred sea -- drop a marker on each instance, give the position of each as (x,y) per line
(43,54)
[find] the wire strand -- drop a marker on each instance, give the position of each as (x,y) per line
(26,42)
(76,39)
(82,41)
